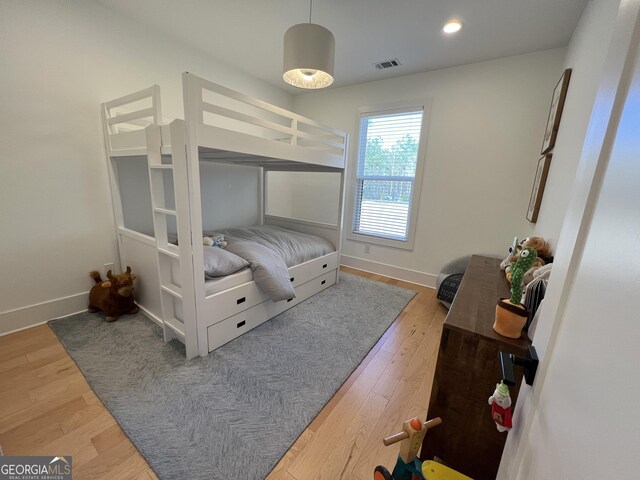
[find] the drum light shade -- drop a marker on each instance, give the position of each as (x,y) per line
(309,51)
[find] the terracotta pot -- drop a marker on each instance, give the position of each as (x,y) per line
(510,318)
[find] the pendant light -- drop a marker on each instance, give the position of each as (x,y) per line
(309,50)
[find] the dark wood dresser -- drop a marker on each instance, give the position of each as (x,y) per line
(467,371)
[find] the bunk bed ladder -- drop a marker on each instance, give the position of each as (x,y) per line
(175,266)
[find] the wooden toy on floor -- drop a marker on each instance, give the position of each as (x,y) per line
(408,465)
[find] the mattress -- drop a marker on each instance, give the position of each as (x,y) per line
(293,247)
(215,285)
(270,252)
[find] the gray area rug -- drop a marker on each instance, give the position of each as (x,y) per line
(233,414)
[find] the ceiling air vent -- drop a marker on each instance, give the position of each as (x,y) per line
(394,62)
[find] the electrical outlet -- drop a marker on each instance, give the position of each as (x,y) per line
(107,267)
(367,248)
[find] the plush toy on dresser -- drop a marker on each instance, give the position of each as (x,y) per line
(543,253)
(114,296)
(514,250)
(511,315)
(526,258)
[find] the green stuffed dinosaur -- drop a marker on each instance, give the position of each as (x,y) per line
(526,257)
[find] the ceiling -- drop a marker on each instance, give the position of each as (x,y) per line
(247,34)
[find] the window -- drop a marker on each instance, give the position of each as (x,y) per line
(388,176)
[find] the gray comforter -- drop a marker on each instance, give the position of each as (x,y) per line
(270,251)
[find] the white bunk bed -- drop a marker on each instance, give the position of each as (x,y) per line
(172,289)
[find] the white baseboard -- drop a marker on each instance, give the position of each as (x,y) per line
(150,315)
(405,274)
(26,317)
(13,321)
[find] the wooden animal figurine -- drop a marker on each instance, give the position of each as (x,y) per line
(114,296)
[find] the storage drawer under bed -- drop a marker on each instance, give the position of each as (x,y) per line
(306,271)
(232,327)
(237,299)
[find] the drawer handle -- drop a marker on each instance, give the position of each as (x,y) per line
(241,324)
(323,282)
(241,300)
(324,266)
(292,279)
(288,300)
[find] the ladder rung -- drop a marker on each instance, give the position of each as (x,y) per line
(168,253)
(166,211)
(161,166)
(172,289)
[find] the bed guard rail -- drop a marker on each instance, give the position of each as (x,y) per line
(134,111)
(213,102)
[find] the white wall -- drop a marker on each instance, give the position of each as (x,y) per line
(229,195)
(485,130)
(230,198)
(279,194)
(559,325)
(60,60)
(585,56)
(304,196)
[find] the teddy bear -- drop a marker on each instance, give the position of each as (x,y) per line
(541,246)
(500,403)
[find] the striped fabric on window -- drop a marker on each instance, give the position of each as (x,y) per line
(387,160)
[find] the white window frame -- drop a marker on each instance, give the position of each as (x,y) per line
(417,181)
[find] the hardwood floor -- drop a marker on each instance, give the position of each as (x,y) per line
(47,408)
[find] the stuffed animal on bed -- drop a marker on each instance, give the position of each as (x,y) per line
(215,241)
(114,296)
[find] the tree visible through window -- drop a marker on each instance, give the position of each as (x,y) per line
(387,165)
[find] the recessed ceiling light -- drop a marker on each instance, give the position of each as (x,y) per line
(452,26)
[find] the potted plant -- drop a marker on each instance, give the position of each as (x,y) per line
(511,315)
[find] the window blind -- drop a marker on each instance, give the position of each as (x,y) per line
(387,162)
